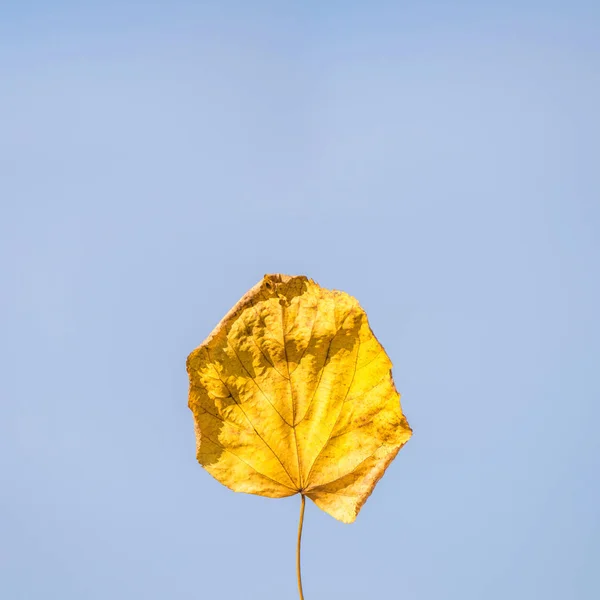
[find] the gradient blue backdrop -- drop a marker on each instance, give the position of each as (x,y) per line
(438,160)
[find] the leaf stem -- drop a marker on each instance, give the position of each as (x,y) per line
(300,523)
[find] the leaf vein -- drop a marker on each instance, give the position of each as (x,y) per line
(250,422)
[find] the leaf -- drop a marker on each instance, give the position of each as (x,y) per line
(292,393)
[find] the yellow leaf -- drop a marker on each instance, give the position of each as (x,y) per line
(292,393)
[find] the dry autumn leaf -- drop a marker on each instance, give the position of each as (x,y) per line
(292,393)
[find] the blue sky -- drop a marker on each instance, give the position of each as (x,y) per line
(437,161)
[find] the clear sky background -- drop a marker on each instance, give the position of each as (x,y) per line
(439,161)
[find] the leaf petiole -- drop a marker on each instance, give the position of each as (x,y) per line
(300,523)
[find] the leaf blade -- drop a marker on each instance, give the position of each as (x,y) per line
(295,386)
